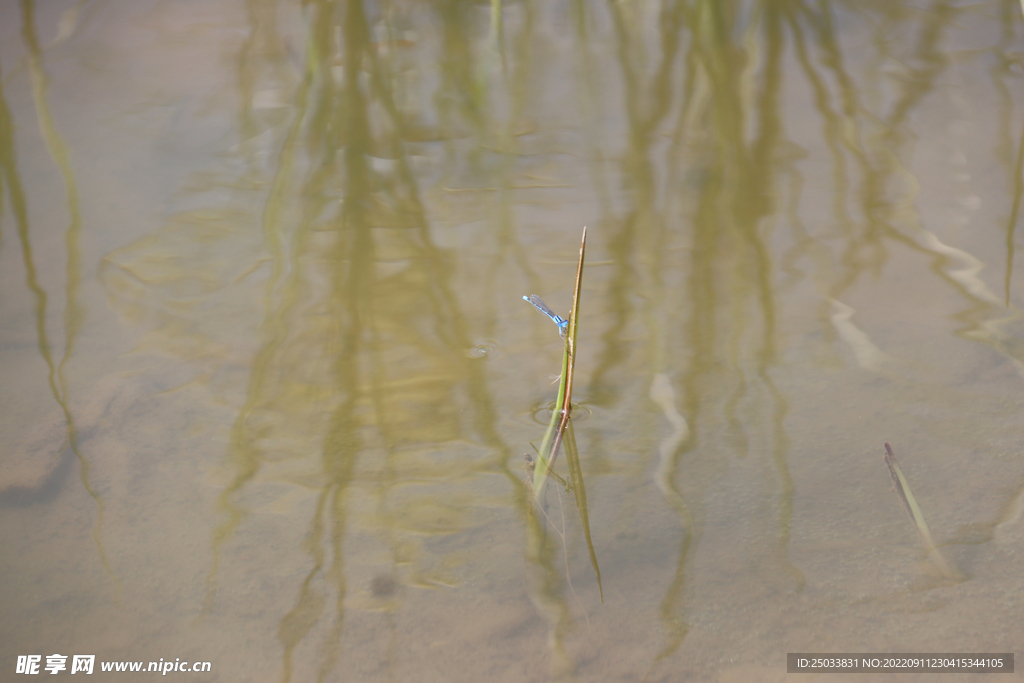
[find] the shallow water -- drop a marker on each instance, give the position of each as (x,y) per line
(270,378)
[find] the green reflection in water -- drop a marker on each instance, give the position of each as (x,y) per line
(73,314)
(715,81)
(353,355)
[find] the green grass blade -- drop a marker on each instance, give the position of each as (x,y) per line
(560,417)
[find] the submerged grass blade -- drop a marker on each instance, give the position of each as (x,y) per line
(572,458)
(902,489)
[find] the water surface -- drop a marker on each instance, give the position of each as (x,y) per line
(270,379)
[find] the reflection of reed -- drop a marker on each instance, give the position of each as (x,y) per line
(711,74)
(355,358)
(730,271)
(73,315)
(1002,76)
